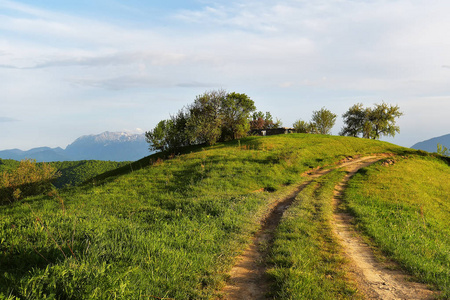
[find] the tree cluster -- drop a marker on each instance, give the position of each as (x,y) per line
(371,123)
(214,116)
(321,122)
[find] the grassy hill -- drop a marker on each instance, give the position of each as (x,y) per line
(76,172)
(163,228)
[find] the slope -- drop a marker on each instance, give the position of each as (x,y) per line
(166,228)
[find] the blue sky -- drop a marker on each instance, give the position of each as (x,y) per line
(71,68)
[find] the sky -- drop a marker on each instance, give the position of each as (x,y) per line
(72,68)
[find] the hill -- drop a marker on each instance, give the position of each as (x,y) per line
(431,144)
(112,146)
(172,227)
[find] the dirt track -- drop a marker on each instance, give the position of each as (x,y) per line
(375,281)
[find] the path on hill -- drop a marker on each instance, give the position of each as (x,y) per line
(247,277)
(375,279)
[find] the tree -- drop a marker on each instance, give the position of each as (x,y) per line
(214,116)
(157,138)
(169,134)
(356,119)
(382,118)
(205,122)
(323,120)
(371,123)
(235,110)
(301,126)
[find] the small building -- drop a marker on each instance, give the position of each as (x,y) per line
(272,131)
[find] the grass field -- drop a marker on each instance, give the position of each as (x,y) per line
(405,209)
(165,228)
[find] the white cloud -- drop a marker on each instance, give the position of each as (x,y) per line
(325,50)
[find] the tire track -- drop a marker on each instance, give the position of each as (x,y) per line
(375,280)
(247,277)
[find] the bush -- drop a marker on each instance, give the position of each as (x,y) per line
(28,179)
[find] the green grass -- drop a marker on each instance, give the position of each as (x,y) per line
(157,228)
(405,209)
(306,262)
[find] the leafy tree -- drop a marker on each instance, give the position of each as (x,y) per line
(169,134)
(356,120)
(157,138)
(205,122)
(382,118)
(371,123)
(301,126)
(214,116)
(236,109)
(323,120)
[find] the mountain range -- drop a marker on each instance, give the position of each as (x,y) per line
(431,144)
(113,146)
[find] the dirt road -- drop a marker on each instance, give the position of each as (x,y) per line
(248,280)
(375,279)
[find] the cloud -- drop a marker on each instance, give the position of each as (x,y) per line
(193,84)
(130,82)
(123,82)
(7,120)
(105,60)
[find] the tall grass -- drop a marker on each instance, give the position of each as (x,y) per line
(157,228)
(405,209)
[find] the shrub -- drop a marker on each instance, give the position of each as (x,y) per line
(28,179)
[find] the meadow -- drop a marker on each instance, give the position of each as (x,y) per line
(168,227)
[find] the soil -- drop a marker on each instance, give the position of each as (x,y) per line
(247,277)
(374,279)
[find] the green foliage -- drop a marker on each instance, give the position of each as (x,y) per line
(170,134)
(205,123)
(371,122)
(27,179)
(356,121)
(404,208)
(8,164)
(301,126)
(323,120)
(214,116)
(442,150)
(236,109)
(170,228)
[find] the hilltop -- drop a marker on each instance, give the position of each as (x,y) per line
(171,225)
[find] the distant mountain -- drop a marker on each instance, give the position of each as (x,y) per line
(113,146)
(39,154)
(431,144)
